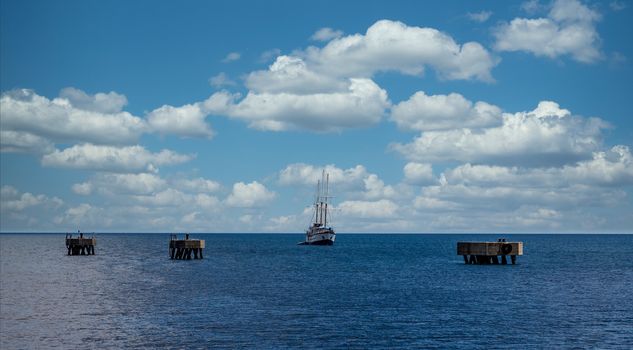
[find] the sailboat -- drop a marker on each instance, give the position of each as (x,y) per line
(319,233)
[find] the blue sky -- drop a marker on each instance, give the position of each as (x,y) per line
(466,116)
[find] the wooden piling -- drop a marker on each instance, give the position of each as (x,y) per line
(80,245)
(183,249)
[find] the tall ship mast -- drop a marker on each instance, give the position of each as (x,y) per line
(319,233)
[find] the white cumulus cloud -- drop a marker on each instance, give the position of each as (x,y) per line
(438,112)
(545,136)
(112,183)
(95,119)
(249,195)
(308,175)
(568,29)
(169,197)
(84,188)
(291,74)
(24,142)
(187,120)
(198,185)
(546,198)
(112,159)
(100,102)
(354,182)
(12,200)
(418,173)
(375,188)
(363,104)
(26,211)
(330,88)
(86,215)
(394,46)
(609,168)
(383,208)
(207,201)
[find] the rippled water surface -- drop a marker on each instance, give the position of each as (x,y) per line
(264,291)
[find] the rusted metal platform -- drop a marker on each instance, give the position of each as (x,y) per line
(182,249)
(80,245)
(484,253)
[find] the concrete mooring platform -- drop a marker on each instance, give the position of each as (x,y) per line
(80,245)
(181,249)
(484,253)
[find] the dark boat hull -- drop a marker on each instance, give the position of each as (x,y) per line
(320,236)
(322,242)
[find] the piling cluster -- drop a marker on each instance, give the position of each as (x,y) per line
(183,249)
(179,249)
(489,260)
(80,245)
(490,253)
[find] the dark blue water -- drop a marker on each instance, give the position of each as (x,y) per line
(264,291)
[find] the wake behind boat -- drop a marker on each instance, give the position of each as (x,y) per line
(319,233)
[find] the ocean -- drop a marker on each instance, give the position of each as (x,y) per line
(265,291)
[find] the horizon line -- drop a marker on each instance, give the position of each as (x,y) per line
(344,233)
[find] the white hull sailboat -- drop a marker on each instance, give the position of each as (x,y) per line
(319,233)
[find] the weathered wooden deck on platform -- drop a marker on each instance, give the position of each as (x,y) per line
(489,252)
(181,249)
